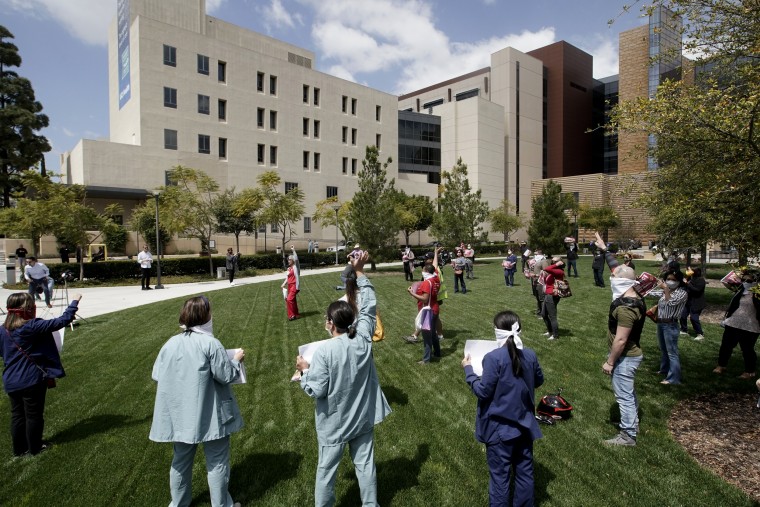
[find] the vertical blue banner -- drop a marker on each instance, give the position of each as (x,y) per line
(122,60)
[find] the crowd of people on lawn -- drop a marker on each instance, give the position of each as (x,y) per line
(195,404)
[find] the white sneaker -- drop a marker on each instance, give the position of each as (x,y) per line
(683,333)
(699,338)
(547,334)
(440,337)
(232,284)
(553,338)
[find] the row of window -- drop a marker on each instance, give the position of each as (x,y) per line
(204,143)
(421,155)
(419,131)
(274,228)
(331,192)
(170,59)
(204,103)
(309,94)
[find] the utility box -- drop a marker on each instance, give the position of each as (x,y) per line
(221,273)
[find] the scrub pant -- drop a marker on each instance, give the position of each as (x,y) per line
(501,457)
(362,450)
(217,467)
(291,303)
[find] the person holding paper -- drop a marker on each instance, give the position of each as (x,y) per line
(505,420)
(32,363)
(349,402)
(427,295)
(195,404)
(293,284)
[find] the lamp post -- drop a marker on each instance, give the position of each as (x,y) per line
(336,207)
(156,193)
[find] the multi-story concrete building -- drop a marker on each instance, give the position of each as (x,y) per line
(189,89)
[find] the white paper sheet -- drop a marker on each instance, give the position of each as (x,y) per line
(242,379)
(285,293)
(477,349)
(307,350)
(58,337)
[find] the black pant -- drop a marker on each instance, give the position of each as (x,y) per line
(408,275)
(27,421)
(145,281)
(745,340)
(549,314)
(459,278)
(598,280)
(231,272)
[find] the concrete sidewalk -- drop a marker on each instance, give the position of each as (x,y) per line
(102,300)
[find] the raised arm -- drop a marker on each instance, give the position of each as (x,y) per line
(609,257)
(366,320)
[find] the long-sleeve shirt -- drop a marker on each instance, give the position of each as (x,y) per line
(552,273)
(145,259)
(343,379)
(36,272)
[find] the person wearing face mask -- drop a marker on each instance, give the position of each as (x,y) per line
(625,323)
(505,420)
(342,378)
(695,287)
(554,271)
(538,290)
(32,363)
(673,296)
(194,403)
(742,325)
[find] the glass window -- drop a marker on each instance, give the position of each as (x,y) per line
(170,97)
(316,96)
(305,94)
(377,140)
(263,228)
(273,155)
(204,143)
(170,56)
(272,85)
(344,104)
(222,148)
(377,113)
(332,192)
(353,107)
(221,68)
(170,139)
(345,135)
(272,120)
(353,167)
(317,160)
(289,185)
(316,129)
(306,126)
(259,81)
(260,117)
(305,159)
(203,64)
(260,153)
(306,225)
(222,109)
(345,165)
(203,104)
(274,228)
(353,137)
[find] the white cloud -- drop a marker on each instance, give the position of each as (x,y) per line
(604,49)
(276,16)
(68,132)
(400,37)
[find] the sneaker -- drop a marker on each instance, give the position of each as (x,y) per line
(684,333)
(699,338)
(719,370)
(747,375)
(440,337)
(422,363)
(622,438)
(553,338)
(547,334)
(411,339)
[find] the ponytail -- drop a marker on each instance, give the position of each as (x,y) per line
(514,355)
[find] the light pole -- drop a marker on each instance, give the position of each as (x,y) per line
(336,207)
(156,193)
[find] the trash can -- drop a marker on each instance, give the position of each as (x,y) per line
(221,273)
(278,250)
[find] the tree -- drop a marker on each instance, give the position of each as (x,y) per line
(235,214)
(414,212)
(280,208)
(20,118)
(461,211)
(144,222)
(602,218)
(372,217)
(708,145)
(550,225)
(325,215)
(504,219)
(187,206)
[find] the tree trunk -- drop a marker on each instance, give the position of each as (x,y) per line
(210,264)
(81,263)
(703,264)
(255,241)
(237,241)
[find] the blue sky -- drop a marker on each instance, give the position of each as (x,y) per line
(393,45)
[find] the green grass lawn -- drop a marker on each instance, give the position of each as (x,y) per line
(100,414)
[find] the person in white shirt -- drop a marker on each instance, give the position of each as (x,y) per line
(145,259)
(38,275)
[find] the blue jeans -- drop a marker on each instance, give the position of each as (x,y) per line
(362,450)
(572,267)
(625,393)
(47,287)
(509,277)
(502,456)
(670,362)
(431,342)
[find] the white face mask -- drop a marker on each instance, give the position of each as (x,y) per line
(207,328)
(620,286)
(749,285)
(672,284)
(539,257)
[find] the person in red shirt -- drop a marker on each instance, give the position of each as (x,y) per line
(427,295)
(552,272)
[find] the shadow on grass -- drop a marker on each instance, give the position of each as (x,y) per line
(96,424)
(395,396)
(542,478)
(392,476)
(251,479)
